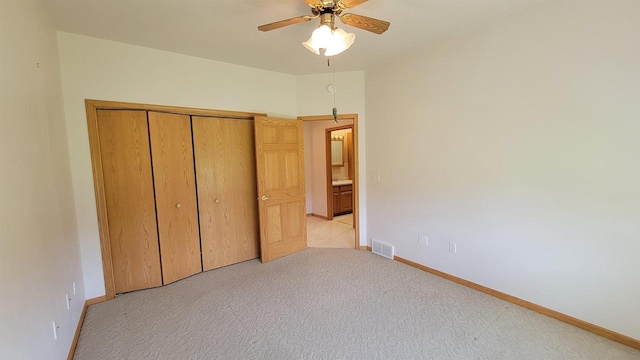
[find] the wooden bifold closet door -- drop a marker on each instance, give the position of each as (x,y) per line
(175,187)
(180,195)
(226,177)
(128,187)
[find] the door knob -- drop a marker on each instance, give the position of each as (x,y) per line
(178,205)
(264,198)
(217,201)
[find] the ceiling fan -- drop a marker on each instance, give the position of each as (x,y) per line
(327,36)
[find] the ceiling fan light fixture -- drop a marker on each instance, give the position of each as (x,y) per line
(323,35)
(340,42)
(327,39)
(332,41)
(321,38)
(309,44)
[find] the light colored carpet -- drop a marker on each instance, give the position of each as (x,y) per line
(323,233)
(328,304)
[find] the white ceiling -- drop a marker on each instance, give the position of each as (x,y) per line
(226,30)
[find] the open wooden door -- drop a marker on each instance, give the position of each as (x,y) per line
(281,192)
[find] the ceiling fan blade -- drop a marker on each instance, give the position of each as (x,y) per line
(349,4)
(365,23)
(314,3)
(283,23)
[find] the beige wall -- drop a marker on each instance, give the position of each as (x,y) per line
(519,142)
(107,70)
(39,251)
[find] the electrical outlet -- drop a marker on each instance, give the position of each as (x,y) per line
(73,285)
(68,299)
(55,331)
(423,239)
(376,177)
(452,248)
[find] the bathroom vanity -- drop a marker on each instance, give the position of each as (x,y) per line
(342,197)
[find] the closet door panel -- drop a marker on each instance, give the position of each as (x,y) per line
(173,171)
(245,189)
(225,171)
(128,184)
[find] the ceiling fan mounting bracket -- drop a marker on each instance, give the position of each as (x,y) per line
(328,4)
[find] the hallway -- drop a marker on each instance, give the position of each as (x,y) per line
(336,233)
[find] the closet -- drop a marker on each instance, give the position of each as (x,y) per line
(176,193)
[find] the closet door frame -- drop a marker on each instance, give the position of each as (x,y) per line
(92,107)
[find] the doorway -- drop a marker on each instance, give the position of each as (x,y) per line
(340,170)
(323,229)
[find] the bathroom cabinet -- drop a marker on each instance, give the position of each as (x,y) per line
(342,199)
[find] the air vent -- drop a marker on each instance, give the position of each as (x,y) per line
(382,248)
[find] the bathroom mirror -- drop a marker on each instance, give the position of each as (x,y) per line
(337,157)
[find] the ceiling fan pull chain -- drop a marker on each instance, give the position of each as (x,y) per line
(335,89)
